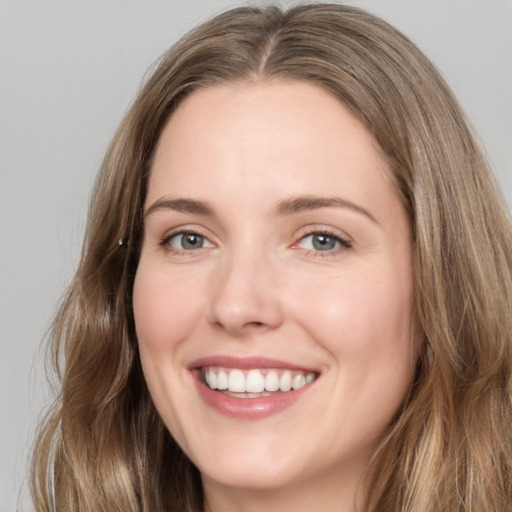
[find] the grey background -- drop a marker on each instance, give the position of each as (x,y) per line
(68,70)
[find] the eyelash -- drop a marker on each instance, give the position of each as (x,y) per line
(343,243)
(165,242)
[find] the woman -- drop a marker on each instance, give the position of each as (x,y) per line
(294,288)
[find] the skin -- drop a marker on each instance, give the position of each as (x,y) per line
(258,286)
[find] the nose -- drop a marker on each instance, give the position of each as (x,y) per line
(245,297)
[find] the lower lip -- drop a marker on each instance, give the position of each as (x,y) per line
(249,408)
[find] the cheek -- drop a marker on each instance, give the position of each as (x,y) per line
(165,312)
(165,307)
(361,316)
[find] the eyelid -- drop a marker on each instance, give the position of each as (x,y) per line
(341,237)
(312,229)
(184,230)
(187,233)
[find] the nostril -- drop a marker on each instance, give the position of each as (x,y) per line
(245,325)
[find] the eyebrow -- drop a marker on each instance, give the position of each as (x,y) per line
(290,206)
(304,203)
(180,205)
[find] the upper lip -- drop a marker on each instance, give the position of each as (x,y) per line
(246,363)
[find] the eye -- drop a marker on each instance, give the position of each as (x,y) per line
(187,241)
(323,242)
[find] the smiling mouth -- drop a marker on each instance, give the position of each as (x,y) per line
(254,383)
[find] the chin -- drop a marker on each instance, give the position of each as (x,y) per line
(249,465)
(250,477)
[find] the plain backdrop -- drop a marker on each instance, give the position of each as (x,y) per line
(68,70)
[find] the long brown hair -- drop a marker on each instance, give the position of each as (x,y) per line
(449,446)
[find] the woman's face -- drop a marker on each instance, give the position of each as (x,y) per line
(276,255)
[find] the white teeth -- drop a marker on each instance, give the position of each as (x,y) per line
(222,380)
(255,382)
(236,381)
(298,381)
(212,378)
(272,381)
(285,382)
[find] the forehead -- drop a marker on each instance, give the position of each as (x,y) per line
(279,136)
(288,109)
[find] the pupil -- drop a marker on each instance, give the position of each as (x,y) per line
(323,242)
(192,241)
